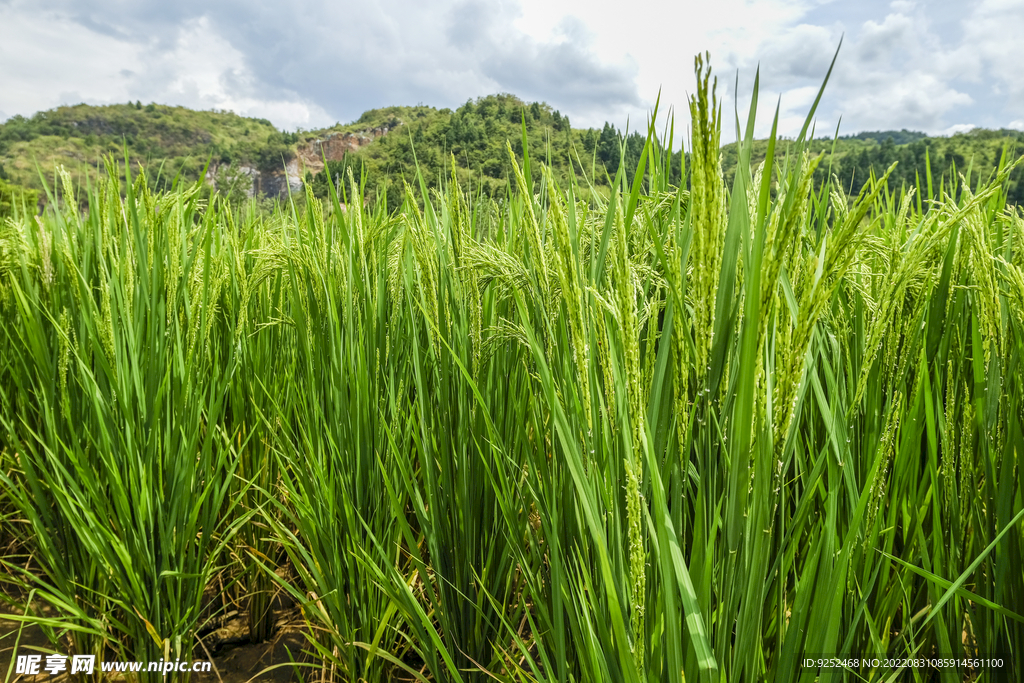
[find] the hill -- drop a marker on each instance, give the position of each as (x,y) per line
(248,156)
(177,139)
(975,154)
(475,135)
(852,159)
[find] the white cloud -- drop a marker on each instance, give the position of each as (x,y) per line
(896,69)
(306,62)
(879,43)
(562,67)
(661,37)
(204,71)
(915,100)
(199,70)
(45,58)
(959,128)
(992,46)
(924,65)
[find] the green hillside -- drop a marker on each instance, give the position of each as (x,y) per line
(475,135)
(977,153)
(178,142)
(177,139)
(853,159)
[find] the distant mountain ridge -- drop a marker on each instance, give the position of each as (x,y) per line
(248,156)
(899,137)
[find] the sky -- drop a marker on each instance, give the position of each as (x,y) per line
(938,66)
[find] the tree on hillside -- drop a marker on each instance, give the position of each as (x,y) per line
(608,149)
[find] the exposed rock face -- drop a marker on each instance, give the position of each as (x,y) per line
(310,158)
(333,147)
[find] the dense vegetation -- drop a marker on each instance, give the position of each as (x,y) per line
(699,430)
(475,134)
(923,162)
(176,142)
(167,140)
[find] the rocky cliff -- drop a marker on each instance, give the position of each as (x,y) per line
(310,156)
